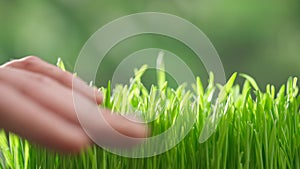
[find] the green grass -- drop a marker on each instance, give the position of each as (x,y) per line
(246,128)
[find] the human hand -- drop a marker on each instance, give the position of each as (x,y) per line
(37,104)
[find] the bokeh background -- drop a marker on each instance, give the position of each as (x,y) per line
(260,38)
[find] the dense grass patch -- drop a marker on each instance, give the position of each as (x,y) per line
(250,128)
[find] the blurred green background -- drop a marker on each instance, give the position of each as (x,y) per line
(260,38)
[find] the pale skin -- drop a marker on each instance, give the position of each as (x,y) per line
(36,103)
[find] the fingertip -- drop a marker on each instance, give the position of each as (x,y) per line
(141,131)
(75,145)
(140,128)
(80,144)
(99,96)
(128,125)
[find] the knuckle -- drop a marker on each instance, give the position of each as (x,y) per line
(42,79)
(35,84)
(30,61)
(27,61)
(31,58)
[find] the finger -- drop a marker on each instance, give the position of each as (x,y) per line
(35,64)
(24,117)
(127,125)
(63,102)
(43,90)
(106,128)
(59,100)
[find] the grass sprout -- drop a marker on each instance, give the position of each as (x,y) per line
(245,128)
